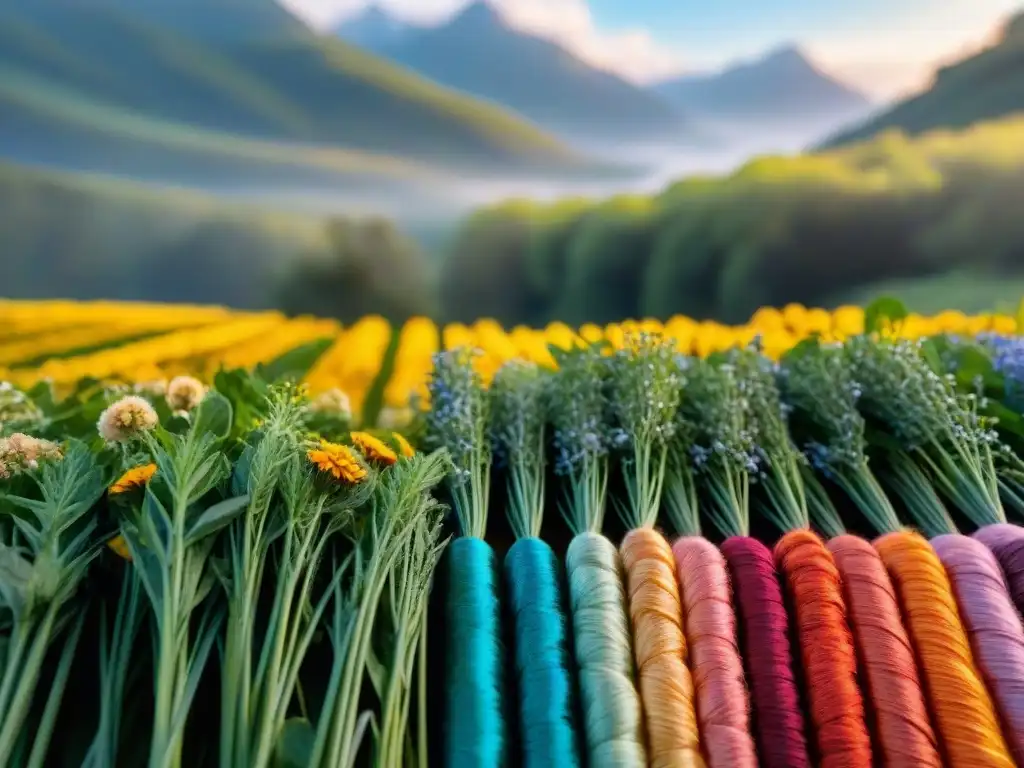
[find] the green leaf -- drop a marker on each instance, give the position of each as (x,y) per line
(15,576)
(208,476)
(240,473)
(214,416)
(295,363)
(883,311)
(294,744)
(216,517)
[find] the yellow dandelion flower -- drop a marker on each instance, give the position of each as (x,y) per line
(119,546)
(136,477)
(374,449)
(339,461)
(404,446)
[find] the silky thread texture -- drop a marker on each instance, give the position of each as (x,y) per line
(546,696)
(723,706)
(826,648)
(894,699)
(1007,544)
(965,718)
(777,717)
(659,644)
(612,715)
(993,628)
(474,722)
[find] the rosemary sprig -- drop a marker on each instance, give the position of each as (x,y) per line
(397,509)
(43,563)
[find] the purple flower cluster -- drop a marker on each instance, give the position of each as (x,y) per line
(457,417)
(1008,359)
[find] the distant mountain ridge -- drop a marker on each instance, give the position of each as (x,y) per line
(780,88)
(226,69)
(375,29)
(985,86)
(479,53)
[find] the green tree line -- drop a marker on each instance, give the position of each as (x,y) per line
(814,229)
(76,237)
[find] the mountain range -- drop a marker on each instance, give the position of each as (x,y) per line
(782,89)
(477,52)
(985,86)
(126,85)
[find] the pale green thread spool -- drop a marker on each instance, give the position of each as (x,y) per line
(612,715)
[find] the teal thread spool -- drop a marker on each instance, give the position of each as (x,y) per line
(612,713)
(475,729)
(546,694)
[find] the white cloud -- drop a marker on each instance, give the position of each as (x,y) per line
(631,53)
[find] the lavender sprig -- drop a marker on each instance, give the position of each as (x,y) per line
(457,421)
(578,407)
(718,412)
(679,495)
(517,431)
(780,463)
(818,385)
(645,389)
(939,427)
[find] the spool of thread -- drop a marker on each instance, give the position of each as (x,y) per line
(1007,544)
(778,718)
(659,645)
(546,696)
(965,719)
(826,649)
(612,715)
(896,703)
(475,719)
(723,706)
(993,628)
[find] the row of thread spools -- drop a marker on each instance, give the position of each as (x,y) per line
(898,652)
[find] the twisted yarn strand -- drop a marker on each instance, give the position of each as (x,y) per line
(778,719)
(666,687)
(723,706)
(894,697)
(826,647)
(993,628)
(612,715)
(966,723)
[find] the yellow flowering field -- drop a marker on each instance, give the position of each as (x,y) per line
(65,342)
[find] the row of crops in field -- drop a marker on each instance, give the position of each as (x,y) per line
(236,540)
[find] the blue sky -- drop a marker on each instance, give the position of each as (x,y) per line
(883,46)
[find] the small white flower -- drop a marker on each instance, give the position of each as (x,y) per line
(126,418)
(333,401)
(184,393)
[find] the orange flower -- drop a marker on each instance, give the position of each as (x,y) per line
(404,446)
(339,461)
(136,477)
(120,546)
(374,449)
